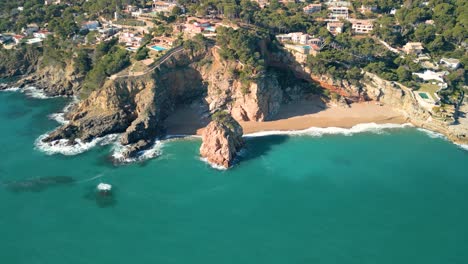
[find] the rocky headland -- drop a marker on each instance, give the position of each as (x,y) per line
(136,107)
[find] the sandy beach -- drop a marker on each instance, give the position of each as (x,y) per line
(188,120)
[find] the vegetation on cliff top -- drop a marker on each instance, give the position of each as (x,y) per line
(109,58)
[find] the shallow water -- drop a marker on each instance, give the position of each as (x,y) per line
(394,197)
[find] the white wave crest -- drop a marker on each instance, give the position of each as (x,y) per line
(33,92)
(11,89)
(63,146)
(119,150)
(212,165)
(319,131)
(60,116)
(462,146)
(432,134)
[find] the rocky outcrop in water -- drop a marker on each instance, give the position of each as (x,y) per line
(222,140)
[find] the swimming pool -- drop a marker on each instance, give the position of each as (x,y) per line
(212,29)
(424,95)
(158,48)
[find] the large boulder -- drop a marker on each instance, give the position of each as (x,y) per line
(222,140)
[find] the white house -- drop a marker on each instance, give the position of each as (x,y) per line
(362,26)
(335,27)
(312,8)
(450,63)
(413,48)
(41,34)
(338,12)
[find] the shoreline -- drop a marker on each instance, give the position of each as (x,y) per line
(294,117)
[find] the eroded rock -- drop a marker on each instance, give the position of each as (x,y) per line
(222,140)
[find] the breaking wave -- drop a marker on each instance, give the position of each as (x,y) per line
(318,131)
(60,116)
(30,91)
(212,165)
(154,151)
(64,147)
(33,92)
(11,89)
(432,134)
(464,147)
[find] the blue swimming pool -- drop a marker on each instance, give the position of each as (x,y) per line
(212,29)
(158,48)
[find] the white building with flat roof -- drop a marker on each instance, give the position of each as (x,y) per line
(338,12)
(312,8)
(362,26)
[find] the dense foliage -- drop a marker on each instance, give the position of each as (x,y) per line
(114,60)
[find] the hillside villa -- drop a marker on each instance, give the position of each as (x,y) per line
(362,26)
(196,25)
(335,28)
(367,9)
(301,44)
(337,3)
(415,48)
(131,40)
(163,6)
(450,63)
(312,8)
(337,13)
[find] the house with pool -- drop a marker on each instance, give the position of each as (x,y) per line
(162,43)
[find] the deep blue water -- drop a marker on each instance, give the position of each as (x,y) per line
(396,197)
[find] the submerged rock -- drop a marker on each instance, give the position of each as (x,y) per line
(222,140)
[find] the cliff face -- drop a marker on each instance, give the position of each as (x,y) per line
(55,80)
(133,106)
(401,98)
(255,100)
(136,107)
(18,62)
(222,140)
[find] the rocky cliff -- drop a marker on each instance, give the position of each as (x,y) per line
(55,79)
(222,140)
(132,106)
(254,100)
(402,99)
(19,62)
(371,87)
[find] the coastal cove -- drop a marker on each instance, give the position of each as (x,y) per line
(401,191)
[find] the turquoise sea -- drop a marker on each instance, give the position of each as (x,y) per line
(394,197)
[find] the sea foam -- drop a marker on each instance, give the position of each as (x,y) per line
(11,89)
(33,92)
(432,134)
(212,165)
(319,131)
(63,146)
(60,116)
(464,147)
(152,152)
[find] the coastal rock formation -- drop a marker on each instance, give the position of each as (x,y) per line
(132,106)
(15,63)
(136,106)
(372,87)
(254,100)
(401,98)
(55,80)
(222,140)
